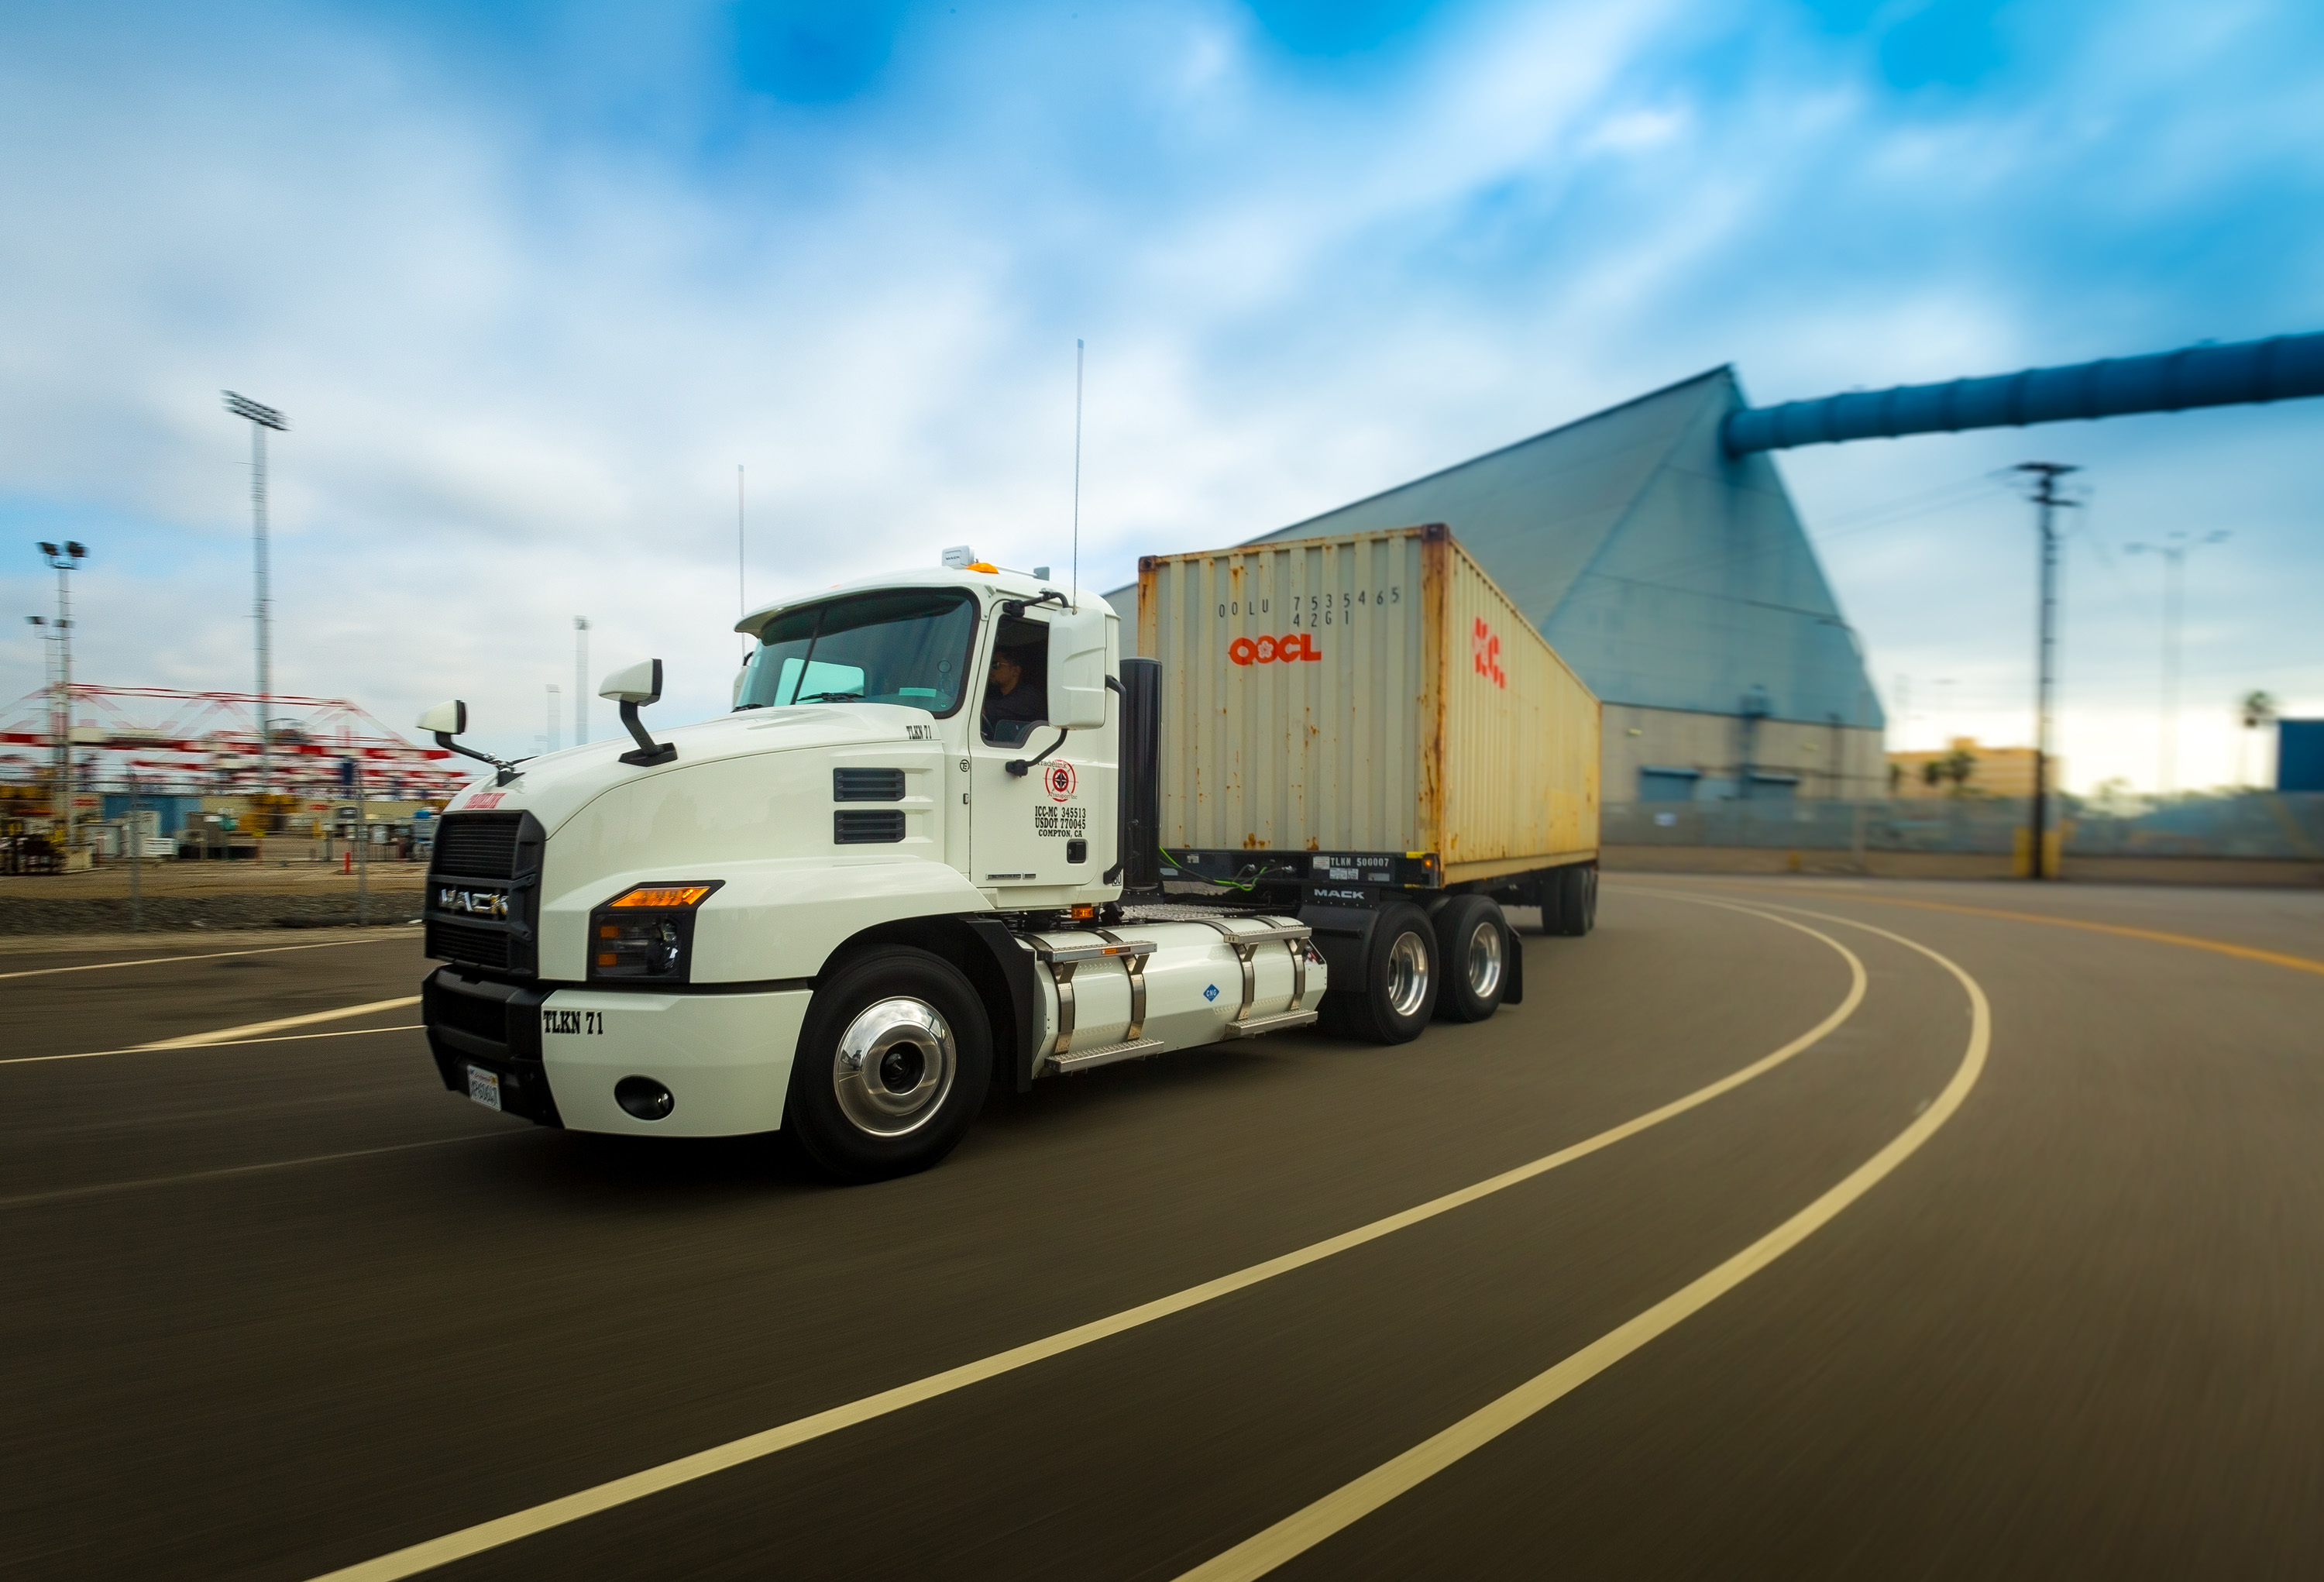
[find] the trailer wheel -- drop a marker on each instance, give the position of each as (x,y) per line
(1399,994)
(892,1065)
(1474,942)
(1577,899)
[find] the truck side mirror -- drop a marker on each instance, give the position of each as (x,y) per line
(449,720)
(1077,668)
(633,687)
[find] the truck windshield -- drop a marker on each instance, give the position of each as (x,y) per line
(909,646)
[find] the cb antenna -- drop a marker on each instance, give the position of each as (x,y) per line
(1077,472)
(741,602)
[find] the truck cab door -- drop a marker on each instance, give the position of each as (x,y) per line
(1052,826)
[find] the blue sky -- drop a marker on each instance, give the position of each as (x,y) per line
(532,280)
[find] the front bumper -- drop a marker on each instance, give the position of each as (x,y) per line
(726,1057)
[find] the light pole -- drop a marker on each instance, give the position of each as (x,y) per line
(580,680)
(2173,550)
(65,557)
(2047,475)
(261,418)
(551,741)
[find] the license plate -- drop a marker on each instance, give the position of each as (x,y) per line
(484,1087)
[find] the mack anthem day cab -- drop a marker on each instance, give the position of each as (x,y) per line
(951,836)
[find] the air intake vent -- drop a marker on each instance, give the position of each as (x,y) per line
(868,828)
(467,942)
(868,785)
(476,846)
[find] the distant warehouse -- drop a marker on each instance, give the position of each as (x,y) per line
(1676,579)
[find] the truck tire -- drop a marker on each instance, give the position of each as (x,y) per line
(1399,993)
(1577,900)
(892,1065)
(1474,940)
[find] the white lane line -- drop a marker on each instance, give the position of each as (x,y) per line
(67,1194)
(205,956)
(148,1048)
(1303,1529)
(621,1491)
(252,1030)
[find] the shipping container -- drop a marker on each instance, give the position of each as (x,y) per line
(1371,695)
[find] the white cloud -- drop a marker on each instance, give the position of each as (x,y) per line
(529,309)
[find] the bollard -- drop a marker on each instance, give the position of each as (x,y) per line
(348,862)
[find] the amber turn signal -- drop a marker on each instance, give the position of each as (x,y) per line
(663,896)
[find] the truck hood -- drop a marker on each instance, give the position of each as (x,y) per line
(555,787)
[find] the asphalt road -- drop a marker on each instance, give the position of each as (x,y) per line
(270,1308)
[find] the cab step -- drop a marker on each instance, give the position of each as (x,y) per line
(1104,1055)
(1277,1022)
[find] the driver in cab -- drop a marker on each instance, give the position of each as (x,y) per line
(1013,703)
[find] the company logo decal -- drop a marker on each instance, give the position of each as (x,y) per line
(1060,779)
(1290,648)
(484,800)
(474,902)
(1485,652)
(1211,993)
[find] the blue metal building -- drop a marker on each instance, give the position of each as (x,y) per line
(2300,755)
(1676,577)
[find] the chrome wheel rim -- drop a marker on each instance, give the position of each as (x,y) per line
(1484,960)
(1408,975)
(894,1066)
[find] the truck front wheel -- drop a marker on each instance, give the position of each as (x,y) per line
(892,1065)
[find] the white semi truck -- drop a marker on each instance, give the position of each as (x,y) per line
(923,854)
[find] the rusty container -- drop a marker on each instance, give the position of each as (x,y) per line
(1373,692)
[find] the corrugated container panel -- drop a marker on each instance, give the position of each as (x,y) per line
(1369,692)
(1521,738)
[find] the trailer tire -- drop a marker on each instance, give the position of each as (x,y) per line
(1577,900)
(1397,995)
(892,1065)
(1474,941)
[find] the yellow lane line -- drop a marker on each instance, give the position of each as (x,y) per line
(147,1048)
(637,1485)
(1303,1529)
(107,1188)
(2155,936)
(205,956)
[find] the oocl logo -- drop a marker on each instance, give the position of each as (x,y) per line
(1290,648)
(1485,652)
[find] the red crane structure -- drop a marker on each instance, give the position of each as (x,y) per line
(179,742)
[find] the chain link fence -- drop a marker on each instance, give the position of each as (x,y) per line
(2287,826)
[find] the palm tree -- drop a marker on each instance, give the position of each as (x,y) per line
(1958,765)
(2259,709)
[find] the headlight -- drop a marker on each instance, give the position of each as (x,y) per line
(646,934)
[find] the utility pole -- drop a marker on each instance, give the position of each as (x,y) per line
(2173,550)
(262,609)
(136,859)
(2047,475)
(580,680)
(362,842)
(64,557)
